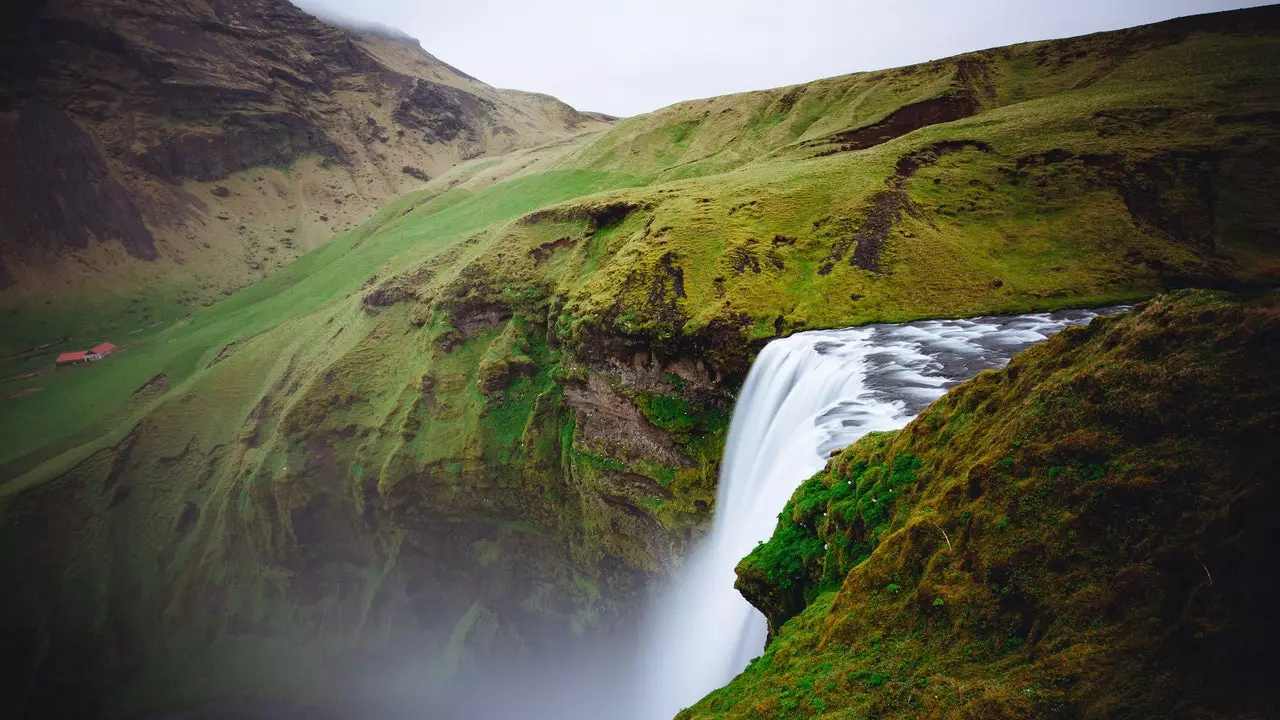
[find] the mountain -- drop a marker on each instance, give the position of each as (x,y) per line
(1081,534)
(487,422)
(202,145)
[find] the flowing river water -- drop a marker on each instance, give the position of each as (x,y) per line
(805,397)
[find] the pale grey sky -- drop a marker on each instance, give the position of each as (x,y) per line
(626,57)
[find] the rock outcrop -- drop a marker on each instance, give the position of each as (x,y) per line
(1071,536)
(116,116)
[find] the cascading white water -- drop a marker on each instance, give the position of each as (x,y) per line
(806,396)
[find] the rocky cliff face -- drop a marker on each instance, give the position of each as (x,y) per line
(1084,533)
(205,132)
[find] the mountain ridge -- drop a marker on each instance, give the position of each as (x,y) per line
(161,102)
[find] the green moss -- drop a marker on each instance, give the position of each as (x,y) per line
(833,522)
(672,414)
(1025,570)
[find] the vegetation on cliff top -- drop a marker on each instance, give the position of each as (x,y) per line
(493,412)
(1084,533)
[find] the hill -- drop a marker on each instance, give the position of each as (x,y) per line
(164,153)
(489,419)
(1081,534)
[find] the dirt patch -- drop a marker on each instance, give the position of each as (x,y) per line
(157,385)
(255,421)
(544,251)
(862,239)
(743,258)
(223,354)
(22,393)
(907,165)
(788,100)
(416,173)
(386,296)
(1129,121)
(973,73)
(598,215)
(397,289)
(752,256)
(910,118)
(474,319)
(494,376)
(1173,194)
(669,272)
(1051,157)
(448,340)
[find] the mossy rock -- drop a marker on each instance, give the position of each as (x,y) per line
(1074,535)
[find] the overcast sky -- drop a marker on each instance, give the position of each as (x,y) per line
(626,57)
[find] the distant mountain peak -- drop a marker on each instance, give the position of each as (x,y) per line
(377,29)
(157,101)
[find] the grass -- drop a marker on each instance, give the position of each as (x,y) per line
(95,401)
(1053,236)
(1044,547)
(445,349)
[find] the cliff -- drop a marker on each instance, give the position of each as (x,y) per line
(204,145)
(1084,533)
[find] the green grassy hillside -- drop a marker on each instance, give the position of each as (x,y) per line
(490,416)
(1084,533)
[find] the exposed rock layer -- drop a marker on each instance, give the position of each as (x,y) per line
(113,113)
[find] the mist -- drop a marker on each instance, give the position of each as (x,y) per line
(633,57)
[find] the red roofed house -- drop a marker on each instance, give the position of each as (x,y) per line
(87,356)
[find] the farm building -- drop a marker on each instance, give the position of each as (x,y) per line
(75,358)
(87,356)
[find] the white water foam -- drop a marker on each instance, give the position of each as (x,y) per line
(805,397)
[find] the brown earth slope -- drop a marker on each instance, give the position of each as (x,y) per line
(221,139)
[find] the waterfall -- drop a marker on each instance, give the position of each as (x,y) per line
(805,397)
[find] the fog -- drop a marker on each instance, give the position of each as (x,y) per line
(631,57)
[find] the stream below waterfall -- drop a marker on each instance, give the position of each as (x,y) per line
(806,396)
